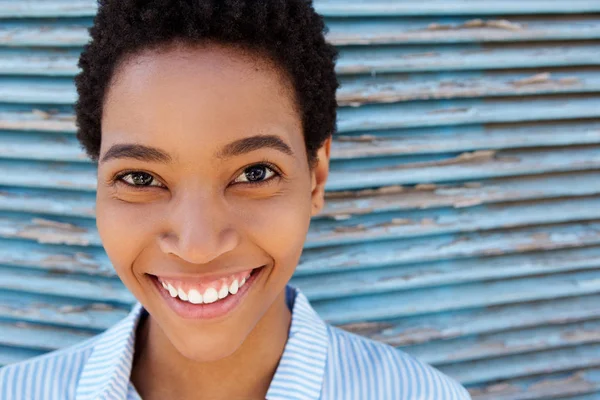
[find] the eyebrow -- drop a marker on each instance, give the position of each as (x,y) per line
(252,143)
(152,154)
(137,152)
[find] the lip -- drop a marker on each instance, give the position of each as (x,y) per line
(211,311)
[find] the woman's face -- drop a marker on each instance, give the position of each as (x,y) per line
(203,180)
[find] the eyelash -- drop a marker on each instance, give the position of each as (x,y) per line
(276,174)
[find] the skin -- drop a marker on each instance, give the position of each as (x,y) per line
(199,216)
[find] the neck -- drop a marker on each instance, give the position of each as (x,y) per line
(160,371)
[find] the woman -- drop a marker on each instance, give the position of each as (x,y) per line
(211,124)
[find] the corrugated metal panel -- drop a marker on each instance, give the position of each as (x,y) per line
(463,215)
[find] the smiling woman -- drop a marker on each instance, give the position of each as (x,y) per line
(211,123)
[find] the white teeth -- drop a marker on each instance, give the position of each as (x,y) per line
(172,291)
(182,295)
(233,289)
(223,292)
(210,295)
(194,297)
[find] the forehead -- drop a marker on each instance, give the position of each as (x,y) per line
(200,95)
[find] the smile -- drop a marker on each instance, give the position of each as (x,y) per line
(206,298)
(199,293)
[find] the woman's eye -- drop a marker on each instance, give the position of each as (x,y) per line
(256,173)
(139,179)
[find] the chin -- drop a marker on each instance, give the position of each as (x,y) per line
(207,348)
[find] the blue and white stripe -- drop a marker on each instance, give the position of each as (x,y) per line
(319,362)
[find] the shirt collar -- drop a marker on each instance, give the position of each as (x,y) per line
(299,375)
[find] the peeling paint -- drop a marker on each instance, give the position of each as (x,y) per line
(479,23)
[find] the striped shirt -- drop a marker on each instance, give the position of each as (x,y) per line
(319,361)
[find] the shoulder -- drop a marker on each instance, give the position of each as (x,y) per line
(377,370)
(53,375)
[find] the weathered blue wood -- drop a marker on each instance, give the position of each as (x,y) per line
(81,287)
(440,248)
(14,34)
(39,62)
(356,31)
(37,120)
(466,166)
(341,205)
(41,8)
(47,230)
(412,330)
(527,364)
(445,299)
(40,91)
(55,259)
(593,395)
(62,203)
(41,146)
(456,112)
(386,226)
(395,88)
(39,337)
(376,60)
(450,272)
(81,176)
(508,343)
(463,138)
(543,387)
(356,8)
(59,311)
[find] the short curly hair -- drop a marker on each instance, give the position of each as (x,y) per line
(289,32)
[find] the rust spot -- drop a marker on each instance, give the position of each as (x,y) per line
(41,114)
(415,336)
(69,309)
(365,192)
(543,77)
(47,231)
(569,80)
(350,229)
(580,336)
(546,78)
(575,383)
(426,186)
(493,390)
(366,328)
(478,23)
(358,139)
(479,155)
(56,224)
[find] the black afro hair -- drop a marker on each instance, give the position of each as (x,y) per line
(289,32)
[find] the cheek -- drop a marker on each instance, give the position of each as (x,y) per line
(279,226)
(125,230)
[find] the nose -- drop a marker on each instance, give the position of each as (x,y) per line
(199,230)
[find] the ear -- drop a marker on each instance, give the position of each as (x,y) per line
(319,173)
